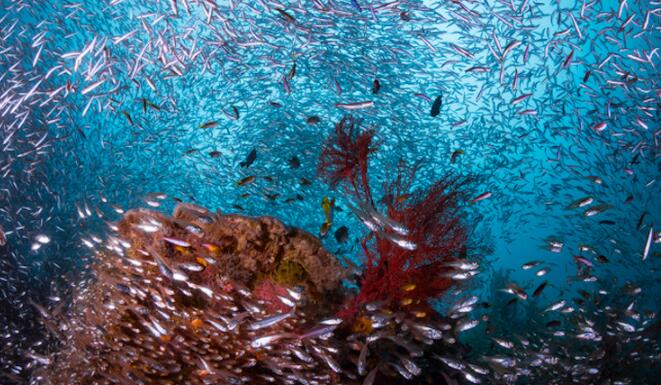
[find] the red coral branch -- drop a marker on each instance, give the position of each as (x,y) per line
(433,218)
(344,158)
(411,277)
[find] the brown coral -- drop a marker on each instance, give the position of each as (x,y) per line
(193,299)
(246,248)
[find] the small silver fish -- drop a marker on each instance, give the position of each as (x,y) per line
(648,243)
(401,242)
(267,340)
(355,105)
(450,362)
(503,343)
(542,272)
(176,242)
(467,325)
(270,321)
(555,306)
(530,265)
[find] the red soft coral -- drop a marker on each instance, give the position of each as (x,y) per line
(433,218)
(344,157)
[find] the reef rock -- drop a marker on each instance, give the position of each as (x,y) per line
(199,298)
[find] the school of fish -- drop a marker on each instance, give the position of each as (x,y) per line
(550,107)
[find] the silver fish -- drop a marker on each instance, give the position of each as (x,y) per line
(270,321)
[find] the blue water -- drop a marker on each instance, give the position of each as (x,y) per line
(534,166)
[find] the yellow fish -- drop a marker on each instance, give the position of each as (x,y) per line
(325,227)
(328,205)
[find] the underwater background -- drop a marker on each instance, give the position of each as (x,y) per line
(104,103)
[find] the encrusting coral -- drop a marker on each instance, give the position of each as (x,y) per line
(186,299)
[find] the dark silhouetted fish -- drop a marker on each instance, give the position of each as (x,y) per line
(294,162)
(342,234)
(436,106)
(376,86)
(249,159)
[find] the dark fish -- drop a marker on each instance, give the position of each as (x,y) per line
(3,239)
(634,160)
(286,16)
(376,86)
(215,154)
(313,119)
(305,182)
(249,159)
(640,220)
(272,197)
(436,106)
(298,197)
(568,59)
(586,77)
(128,117)
(404,16)
(342,234)
(540,289)
(292,71)
(602,259)
(553,323)
(246,180)
(606,222)
(209,124)
(294,162)
(191,151)
(455,154)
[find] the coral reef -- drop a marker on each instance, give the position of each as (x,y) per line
(200,298)
(212,298)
